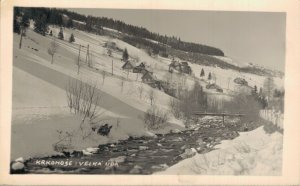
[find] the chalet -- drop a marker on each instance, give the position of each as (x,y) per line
(147,77)
(185,68)
(140,69)
(110,44)
(128,66)
(182,67)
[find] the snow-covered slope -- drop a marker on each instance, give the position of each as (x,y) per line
(123,86)
(252,153)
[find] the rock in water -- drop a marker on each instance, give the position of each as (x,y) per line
(85,152)
(21,159)
(143,148)
(104,130)
(17,166)
(189,153)
(175,131)
(160,167)
(136,169)
(120,159)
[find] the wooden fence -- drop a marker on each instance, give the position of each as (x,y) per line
(275,117)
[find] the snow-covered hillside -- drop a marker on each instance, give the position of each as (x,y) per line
(252,153)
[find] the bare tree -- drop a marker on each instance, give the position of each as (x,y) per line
(151,96)
(52,49)
(22,31)
(269,87)
(175,107)
(140,90)
(112,67)
(83,99)
(87,58)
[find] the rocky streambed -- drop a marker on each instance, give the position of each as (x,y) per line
(136,155)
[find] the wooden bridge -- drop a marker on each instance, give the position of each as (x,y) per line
(218,114)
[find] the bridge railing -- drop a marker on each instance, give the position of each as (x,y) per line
(276,118)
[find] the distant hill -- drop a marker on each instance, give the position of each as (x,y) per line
(153,43)
(55,16)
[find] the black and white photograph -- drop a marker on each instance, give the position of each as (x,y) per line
(107,91)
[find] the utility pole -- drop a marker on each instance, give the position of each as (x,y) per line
(87,60)
(78,61)
(112,67)
(22,32)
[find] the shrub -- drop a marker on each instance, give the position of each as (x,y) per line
(155,117)
(244,104)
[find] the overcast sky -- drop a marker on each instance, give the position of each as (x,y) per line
(256,37)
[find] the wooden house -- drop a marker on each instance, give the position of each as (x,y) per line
(182,67)
(147,77)
(128,66)
(140,69)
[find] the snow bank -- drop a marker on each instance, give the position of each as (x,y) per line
(252,153)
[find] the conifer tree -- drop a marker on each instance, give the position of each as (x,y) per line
(125,55)
(209,76)
(70,23)
(202,73)
(72,38)
(61,34)
(40,25)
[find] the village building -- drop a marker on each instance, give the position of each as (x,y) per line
(128,66)
(148,77)
(110,44)
(140,69)
(182,67)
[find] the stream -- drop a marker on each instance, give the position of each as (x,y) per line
(137,155)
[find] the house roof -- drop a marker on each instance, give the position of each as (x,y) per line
(185,63)
(147,74)
(128,65)
(174,63)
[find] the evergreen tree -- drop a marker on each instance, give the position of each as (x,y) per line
(70,23)
(40,25)
(16,26)
(59,20)
(72,39)
(61,34)
(202,74)
(209,76)
(125,55)
(24,24)
(25,21)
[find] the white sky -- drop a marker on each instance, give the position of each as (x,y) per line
(257,37)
